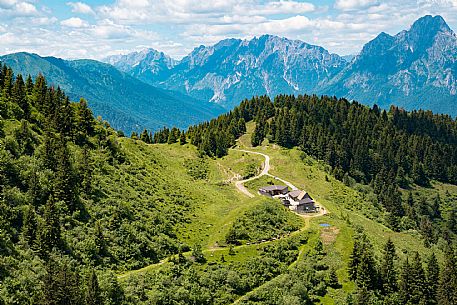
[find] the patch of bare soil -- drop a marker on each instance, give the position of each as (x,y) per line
(328,235)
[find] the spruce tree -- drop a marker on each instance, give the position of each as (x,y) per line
(418,282)
(65,183)
(388,270)
(145,137)
(93,295)
(433,277)
(404,283)
(99,239)
(182,138)
(84,119)
(30,226)
(49,231)
(447,290)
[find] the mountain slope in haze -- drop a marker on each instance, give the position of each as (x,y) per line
(413,69)
(234,69)
(144,65)
(127,103)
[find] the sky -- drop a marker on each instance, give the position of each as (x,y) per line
(99,28)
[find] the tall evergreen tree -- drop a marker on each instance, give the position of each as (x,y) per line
(447,290)
(30,226)
(65,183)
(388,270)
(433,278)
(49,230)
(418,282)
(404,284)
(93,295)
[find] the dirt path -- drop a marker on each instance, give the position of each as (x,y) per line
(244,190)
(265,172)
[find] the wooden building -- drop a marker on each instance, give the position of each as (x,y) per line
(274,190)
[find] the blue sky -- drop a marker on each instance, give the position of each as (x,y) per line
(96,29)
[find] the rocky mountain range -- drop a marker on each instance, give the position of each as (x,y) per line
(417,68)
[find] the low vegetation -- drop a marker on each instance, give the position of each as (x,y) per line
(266,221)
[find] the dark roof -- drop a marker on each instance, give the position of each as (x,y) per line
(273,188)
(285,202)
(306,201)
(294,193)
(299,194)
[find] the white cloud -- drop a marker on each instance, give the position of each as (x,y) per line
(81,8)
(26,9)
(6,4)
(190,11)
(74,22)
(14,8)
(347,5)
(282,7)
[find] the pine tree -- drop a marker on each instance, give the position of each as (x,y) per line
(100,242)
(49,232)
(433,277)
(405,283)
(447,290)
(400,179)
(30,226)
(65,183)
(93,294)
(86,170)
(258,134)
(19,97)
(64,120)
(145,137)
(182,138)
(84,122)
(354,259)
(362,266)
(419,176)
(61,283)
(388,271)
(418,282)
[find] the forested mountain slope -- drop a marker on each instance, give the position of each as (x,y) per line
(88,217)
(126,103)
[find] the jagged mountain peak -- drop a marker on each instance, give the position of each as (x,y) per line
(430,24)
(415,68)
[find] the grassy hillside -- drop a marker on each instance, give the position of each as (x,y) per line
(208,224)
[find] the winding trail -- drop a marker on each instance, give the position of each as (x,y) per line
(265,172)
(240,186)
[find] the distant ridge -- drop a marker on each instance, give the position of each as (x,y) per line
(124,101)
